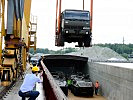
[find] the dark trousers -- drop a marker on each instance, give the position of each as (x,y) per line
(32,94)
(96,91)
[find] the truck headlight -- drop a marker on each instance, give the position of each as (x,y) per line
(87,32)
(66,31)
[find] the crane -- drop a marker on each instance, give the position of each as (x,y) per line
(19,35)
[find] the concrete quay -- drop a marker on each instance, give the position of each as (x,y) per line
(116,80)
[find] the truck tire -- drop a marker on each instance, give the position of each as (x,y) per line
(66,92)
(91,94)
(87,44)
(71,89)
(61,40)
(87,41)
(80,44)
(75,92)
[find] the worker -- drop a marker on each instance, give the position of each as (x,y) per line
(26,89)
(31,66)
(29,58)
(96,87)
(39,62)
(69,82)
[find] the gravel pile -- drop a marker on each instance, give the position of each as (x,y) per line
(99,54)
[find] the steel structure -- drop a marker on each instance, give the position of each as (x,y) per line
(17,36)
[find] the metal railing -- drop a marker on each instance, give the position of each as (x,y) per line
(52,90)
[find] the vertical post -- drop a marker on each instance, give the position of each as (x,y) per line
(56,17)
(91,13)
(21,65)
(0,48)
(2,30)
(3,20)
(83,4)
(0,37)
(59,17)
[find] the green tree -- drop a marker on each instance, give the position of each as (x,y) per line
(123,49)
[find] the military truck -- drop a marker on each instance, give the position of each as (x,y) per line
(81,84)
(75,27)
(61,81)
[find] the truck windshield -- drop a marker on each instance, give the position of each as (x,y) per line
(77,15)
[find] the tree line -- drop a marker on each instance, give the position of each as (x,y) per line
(47,51)
(123,49)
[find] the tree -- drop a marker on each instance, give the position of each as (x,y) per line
(47,51)
(123,49)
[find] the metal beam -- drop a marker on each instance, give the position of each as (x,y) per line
(3,20)
(10,17)
(0,48)
(59,17)
(56,17)
(91,13)
(83,4)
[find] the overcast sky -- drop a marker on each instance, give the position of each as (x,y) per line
(112,20)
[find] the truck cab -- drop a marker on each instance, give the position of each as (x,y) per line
(75,27)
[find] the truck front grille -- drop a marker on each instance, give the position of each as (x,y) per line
(74,27)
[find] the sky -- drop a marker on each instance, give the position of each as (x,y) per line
(112,20)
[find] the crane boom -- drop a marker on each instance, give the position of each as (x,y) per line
(18,38)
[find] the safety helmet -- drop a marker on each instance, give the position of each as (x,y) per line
(35,69)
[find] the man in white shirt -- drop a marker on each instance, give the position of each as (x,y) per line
(26,89)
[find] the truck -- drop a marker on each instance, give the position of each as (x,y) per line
(75,27)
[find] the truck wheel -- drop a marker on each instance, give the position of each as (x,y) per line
(66,92)
(61,40)
(75,92)
(91,92)
(91,95)
(87,42)
(71,89)
(80,44)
